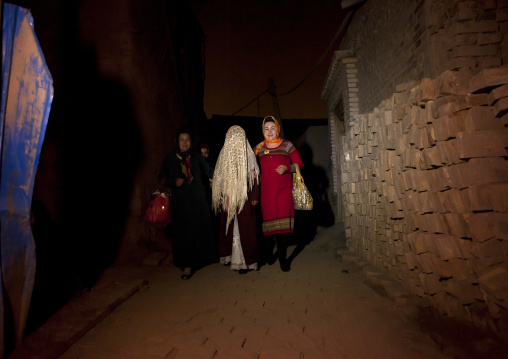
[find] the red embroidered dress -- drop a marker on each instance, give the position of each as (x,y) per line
(276,190)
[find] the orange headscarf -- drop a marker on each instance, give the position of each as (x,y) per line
(272,119)
(260,145)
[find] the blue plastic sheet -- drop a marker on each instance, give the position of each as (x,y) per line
(27,94)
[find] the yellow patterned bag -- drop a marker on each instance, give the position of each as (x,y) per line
(301,195)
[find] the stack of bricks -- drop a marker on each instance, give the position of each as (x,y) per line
(469,34)
(425,183)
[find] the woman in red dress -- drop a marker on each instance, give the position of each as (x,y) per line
(277,158)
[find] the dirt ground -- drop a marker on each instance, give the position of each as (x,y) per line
(325,307)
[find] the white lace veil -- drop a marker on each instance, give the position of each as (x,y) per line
(235,173)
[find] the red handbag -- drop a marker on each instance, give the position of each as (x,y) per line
(158,210)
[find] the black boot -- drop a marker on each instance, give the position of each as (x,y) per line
(282,247)
(270,257)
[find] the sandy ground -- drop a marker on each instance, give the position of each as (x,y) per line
(319,309)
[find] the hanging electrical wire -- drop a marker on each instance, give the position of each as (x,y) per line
(254,99)
(345,21)
(334,39)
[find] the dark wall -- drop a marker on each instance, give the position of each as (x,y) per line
(127,74)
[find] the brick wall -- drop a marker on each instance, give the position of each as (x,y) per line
(468,34)
(389,51)
(341,93)
(425,179)
(397,41)
(422,164)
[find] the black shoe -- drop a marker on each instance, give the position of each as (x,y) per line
(282,245)
(243,271)
(285,267)
(270,256)
(272,260)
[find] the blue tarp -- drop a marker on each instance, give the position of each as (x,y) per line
(27,94)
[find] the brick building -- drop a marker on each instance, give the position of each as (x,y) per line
(417,97)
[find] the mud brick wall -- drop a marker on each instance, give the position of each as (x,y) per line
(108,132)
(425,183)
(397,41)
(389,51)
(469,34)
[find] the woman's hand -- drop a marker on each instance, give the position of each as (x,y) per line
(179,182)
(281,169)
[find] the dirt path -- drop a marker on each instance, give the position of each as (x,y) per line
(314,311)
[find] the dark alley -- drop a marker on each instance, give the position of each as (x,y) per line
(394,113)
